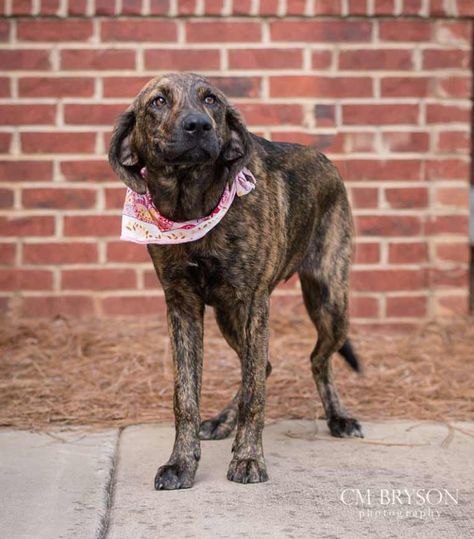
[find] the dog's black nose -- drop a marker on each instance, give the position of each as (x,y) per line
(196,123)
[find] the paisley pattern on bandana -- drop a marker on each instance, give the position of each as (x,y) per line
(143,223)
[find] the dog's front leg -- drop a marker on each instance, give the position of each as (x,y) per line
(185,323)
(248,464)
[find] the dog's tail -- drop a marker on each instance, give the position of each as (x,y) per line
(347,352)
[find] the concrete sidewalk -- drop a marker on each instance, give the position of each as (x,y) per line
(404,478)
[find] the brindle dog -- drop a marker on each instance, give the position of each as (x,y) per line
(298,219)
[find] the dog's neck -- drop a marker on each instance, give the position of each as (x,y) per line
(185,193)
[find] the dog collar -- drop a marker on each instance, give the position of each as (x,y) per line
(143,223)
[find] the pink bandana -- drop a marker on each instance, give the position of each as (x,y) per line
(143,223)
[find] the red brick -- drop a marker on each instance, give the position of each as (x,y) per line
(446,59)
(454,32)
(92,114)
(406,141)
(182,59)
(408,252)
(406,197)
(5,142)
(459,87)
(312,86)
(325,115)
(18,171)
(321,31)
(465,8)
(367,253)
(4,30)
(238,86)
(97,59)
(405,30)
(453,277)
(21,7)
(321,59)
(222,32)
(104,7)
(60,253)
(28,59)
(59,30)
(6,198)
(387,280)
(134,305)
(114,197)
(296,7)
(186,7)
(407,87)
(327,7)
(358,7)
(374,169)
(150,279)
(7,254)
(286,58)
(138,30)
(87,171)
(49,306)
(123,86)
(21,279)
(77,7)
(58,142)
(454,197)
(98,279)
(59,198)
(386,59)
(454,142)
(121,251)
(364,197)
(388,225)
(49,7)
(27,226)
(131,7)
(92,225)
(5,87)
(56,87)
(453,252)
(447,169)
(408,306)
(380,114)
(447,224)
(269,114)
(159,7)
(28,114)
(438,113)
(384,7)
(323,142)
(215,7)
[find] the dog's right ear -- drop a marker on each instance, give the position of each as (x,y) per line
(122,156)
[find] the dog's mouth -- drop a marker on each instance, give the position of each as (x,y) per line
(178,154)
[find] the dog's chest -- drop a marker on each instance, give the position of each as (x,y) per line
(211,278)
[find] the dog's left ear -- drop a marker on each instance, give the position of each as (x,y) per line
(122,156)
(237,149)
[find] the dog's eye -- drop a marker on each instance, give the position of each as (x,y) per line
(210,99)
(160,101)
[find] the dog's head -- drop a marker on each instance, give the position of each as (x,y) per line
(177,120)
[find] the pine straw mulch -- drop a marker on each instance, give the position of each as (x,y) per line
(101,373)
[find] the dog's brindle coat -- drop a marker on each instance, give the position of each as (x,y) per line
(298,219)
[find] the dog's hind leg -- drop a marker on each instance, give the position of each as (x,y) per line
(222,425)
(324,282)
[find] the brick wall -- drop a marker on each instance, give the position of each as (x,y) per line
(381,86)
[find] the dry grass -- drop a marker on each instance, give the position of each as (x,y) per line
(118,372)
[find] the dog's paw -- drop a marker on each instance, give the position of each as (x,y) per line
(345,427)
(215,429)
(247,471)
(172,477)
